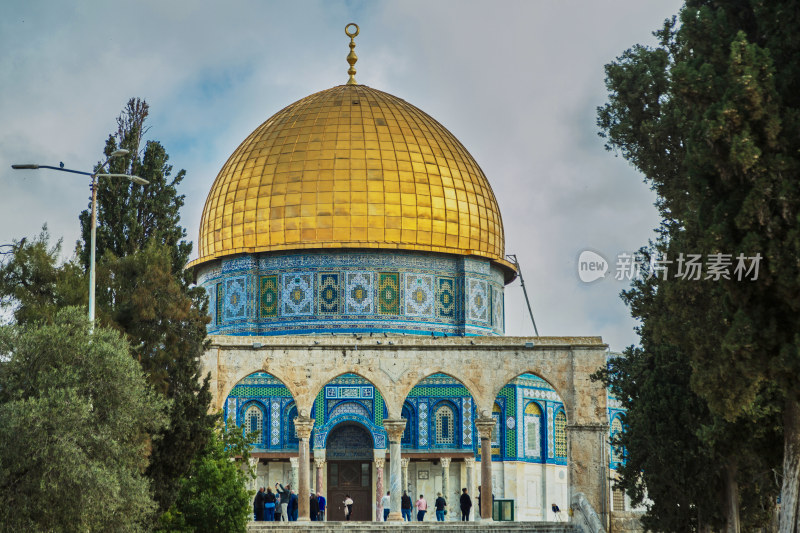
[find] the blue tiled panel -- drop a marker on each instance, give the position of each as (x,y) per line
(336,292)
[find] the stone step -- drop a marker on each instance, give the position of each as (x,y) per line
(417,527)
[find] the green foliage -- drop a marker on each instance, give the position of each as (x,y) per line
(130,216)
(34,285)
(710,117)
(75,418)
(212,497)
(142,291)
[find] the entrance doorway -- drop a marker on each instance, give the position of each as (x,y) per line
(349,455)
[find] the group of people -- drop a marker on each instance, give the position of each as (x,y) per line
(440,506)
(282,506)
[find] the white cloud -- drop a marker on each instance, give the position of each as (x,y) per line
(516,82)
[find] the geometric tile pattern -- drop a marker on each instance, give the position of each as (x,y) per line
(419,295)
(477,300)
(275,419)
(466,423)
(347,291)
(359,293)
(445,297)
(444,417)
(389,293)
(329,293)
(268,290)
(497,309)
(297,294)
(235,298)
(561,434)
(423,424)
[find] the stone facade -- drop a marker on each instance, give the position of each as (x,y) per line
(370,380)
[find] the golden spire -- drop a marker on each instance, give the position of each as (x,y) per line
(352,57)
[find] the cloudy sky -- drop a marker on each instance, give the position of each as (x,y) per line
(517,82)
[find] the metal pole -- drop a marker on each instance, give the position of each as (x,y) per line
(524,290)
(92,251)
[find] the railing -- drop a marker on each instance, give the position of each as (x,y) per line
(584,516)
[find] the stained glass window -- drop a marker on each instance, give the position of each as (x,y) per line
(497,415)
(253,418)
(445,417)
(533,430)
(616,451)
(406,413)
(291,434)
(561,434)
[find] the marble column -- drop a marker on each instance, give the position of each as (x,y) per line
(469,462)
(379,463)
(293,479)
(446,481)
(394,429)
(319,462)
(485,425)
(303,425)
(405,474)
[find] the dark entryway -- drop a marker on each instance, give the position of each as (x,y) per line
(349,456)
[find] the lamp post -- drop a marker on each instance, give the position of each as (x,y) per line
(94,175)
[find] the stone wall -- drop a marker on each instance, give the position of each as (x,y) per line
(626,522)
(395,364)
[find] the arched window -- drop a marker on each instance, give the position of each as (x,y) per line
(407,413)
(561,434)
(349,408)
(616,451)
(290,434)
(253,421)
(533,430)
(445,425)
(497,414)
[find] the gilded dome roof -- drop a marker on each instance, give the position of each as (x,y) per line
(351,167)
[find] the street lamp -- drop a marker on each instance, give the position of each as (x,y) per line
(94,175)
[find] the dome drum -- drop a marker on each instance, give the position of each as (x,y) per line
(354,291)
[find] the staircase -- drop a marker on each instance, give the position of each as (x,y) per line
(415,527)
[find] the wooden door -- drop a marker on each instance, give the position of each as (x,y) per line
(353,478)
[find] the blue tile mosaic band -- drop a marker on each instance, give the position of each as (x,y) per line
(352,291)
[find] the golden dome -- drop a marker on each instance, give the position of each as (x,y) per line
(351,167)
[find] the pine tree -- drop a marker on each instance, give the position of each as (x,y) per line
(710,117)
(144,291)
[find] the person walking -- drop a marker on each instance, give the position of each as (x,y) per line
(466,504)
(422,508)
(258,505)
(269,506)
(348,507)
(439,505)
(386,503)
(405,506)
(285,495)
(321,503)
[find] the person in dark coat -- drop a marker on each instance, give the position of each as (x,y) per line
(405,506)
(292,507)
(466,505)
(314,502)
(258,505)
(269,506)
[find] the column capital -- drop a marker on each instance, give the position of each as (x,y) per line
(404,462)
(394,428)
(319,462)
(485,426)
(445,462)
(469,462)
(380,462)
(294,461)
(303,425)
